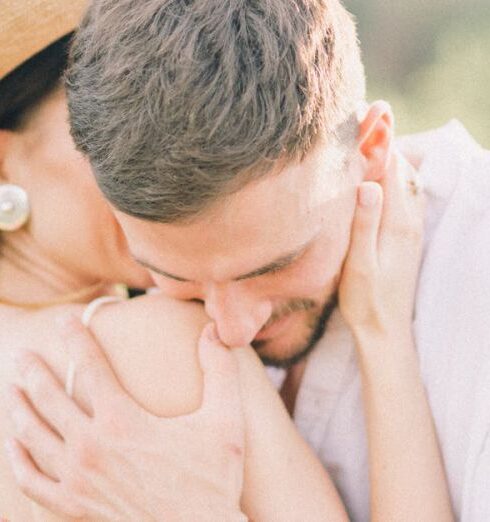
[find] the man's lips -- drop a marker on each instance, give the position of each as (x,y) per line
(275,328)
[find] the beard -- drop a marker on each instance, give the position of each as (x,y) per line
(316,324)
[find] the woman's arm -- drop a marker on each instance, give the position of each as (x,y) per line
(153,351)
(406,470)
(407,479)
(284,480)
(112,458)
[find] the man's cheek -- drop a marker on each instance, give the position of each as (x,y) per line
(311,281)
(322,270)
(316,284)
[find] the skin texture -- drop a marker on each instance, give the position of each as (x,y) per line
(304,209)
(260,223)
(377,297)
(43,260)
(64,198)
(113,434)
(51,265)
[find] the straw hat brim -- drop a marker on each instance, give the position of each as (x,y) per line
(29,26)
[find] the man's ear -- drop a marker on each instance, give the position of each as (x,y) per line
(375,139)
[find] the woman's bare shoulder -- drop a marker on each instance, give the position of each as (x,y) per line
(151,342)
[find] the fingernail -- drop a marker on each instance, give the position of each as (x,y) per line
(368,195)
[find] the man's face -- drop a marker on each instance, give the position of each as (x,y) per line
(265,261)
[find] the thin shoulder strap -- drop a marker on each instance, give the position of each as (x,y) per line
(93,306)
(87,315)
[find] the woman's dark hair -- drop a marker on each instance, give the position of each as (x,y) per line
(26,85)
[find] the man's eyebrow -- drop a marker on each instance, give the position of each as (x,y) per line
(278,264)
(273,266)
(158,270)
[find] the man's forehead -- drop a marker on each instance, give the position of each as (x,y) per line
(297,189)
(218,242)
(275,215)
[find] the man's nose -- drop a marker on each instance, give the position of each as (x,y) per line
(238,314)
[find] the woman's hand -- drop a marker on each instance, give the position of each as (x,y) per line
(120,462)
(378,283)
(124,464)
(376,297)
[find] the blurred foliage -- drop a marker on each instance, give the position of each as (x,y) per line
(430,59)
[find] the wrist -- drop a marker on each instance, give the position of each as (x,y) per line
(369,337)
(383,349)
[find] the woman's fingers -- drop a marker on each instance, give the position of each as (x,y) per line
(47,395)
(42,443)
(364,233)
(90,367)
(361,265)
(35,485)
(221,395)
(222,401)
(399,211)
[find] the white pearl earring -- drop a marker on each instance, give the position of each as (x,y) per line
(14,207)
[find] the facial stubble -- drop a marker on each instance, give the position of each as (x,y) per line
(317,328)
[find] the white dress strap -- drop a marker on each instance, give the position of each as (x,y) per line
(87,315)
(93,306)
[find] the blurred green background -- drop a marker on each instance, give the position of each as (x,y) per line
(430,59)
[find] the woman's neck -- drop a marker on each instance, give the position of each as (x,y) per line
(28,274)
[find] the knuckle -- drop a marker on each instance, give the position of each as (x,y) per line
(413,237)
(22,426)
(230,428)
(36,382)
(31,369)
(114,424)
(359,270)
(39,389)
(86,454)
(407,231)
(22,477)
(235,450)
(75,486)
(73,509)
(84,366)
